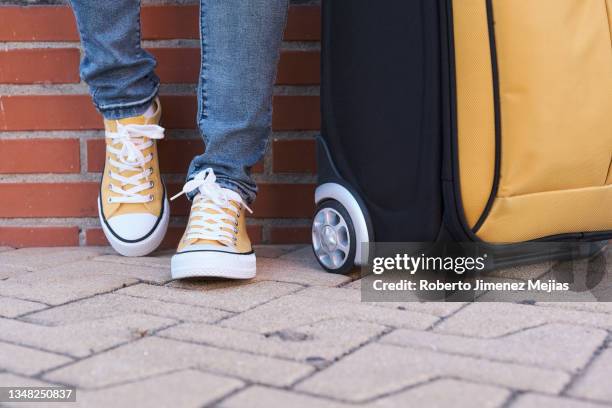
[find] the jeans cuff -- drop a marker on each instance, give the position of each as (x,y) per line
(247,194)
(129,109)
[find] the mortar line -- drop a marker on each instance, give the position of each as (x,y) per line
(579,374)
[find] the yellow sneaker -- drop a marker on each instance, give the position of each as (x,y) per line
(132,205)
(215,243)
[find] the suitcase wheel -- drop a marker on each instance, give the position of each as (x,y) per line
(333,237)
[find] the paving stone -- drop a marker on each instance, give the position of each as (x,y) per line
(262,397)
(229,296)
(144,272)
(379,369)
(294,311)
(553,346)
(295,272)
(81,339)
(303,255)
(27,361)
(71,282)
(596,383)
(595,307)
(189,388)
(320,342)
(10,307)
(150,261)
(498,319)
(41,258)
(446,393)
(524,272)
(356,285)
(9,271)
(292,320)
(12,380)
(113,304)
(530,400)
(151,356)
(275,251)
(345,294)
(202,284)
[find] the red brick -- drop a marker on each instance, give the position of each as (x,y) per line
(304,23)
(39,156)
(175,155)
(38,23)
(95,236)
(56,23)
(95,156)
(19,237)
(290,235)
(48,112)
(182,65)
(284,201)
(168,22)
(177,65)
(255,234)
(35,66)
(179,111)
(296,113)
(294,156)
(76,112)
(299,68)
(30,200)
(79,200)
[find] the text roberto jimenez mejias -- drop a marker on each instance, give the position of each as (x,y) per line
(479,284)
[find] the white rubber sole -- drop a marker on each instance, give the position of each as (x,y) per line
(213,264)
(142,247)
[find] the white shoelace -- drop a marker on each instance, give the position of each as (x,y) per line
(132,140)
(214,217)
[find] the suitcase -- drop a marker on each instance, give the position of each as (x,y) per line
(484,121)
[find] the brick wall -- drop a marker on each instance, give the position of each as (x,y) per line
(51,142)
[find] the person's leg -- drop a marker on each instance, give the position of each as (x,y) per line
(240,47)
(119,72)
(132,204)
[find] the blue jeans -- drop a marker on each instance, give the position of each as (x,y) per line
(240,46)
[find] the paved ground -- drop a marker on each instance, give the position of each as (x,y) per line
(125,335)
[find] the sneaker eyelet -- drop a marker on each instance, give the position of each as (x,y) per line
(151,184)
(109,200)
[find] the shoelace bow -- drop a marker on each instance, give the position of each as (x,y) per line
(213,216)
(133,139)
